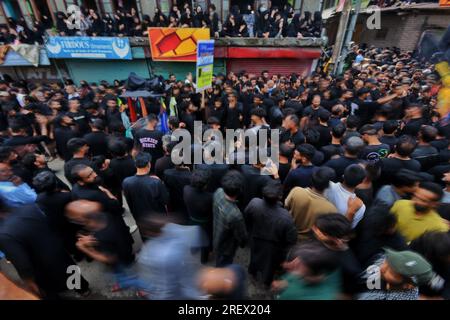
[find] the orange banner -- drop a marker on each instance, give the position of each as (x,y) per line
(176,44)
(444,3)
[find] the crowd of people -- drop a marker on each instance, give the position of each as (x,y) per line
(271,22)
(358,207)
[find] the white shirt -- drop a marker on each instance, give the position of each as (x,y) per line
(339,196)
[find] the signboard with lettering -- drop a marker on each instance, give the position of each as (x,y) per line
(205,64)
(88,48)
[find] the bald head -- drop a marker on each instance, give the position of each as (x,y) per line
(79,210)
(217,281)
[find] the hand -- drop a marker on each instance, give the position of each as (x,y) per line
(353,204)
(108,193)
(293,163)
(278,285)
(182,125)
(16,180)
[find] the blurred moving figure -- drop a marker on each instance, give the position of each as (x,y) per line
(168,263)
(226,283)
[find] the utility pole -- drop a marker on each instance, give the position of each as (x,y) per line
(349,36)
(340,37)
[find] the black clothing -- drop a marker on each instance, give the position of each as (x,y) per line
(34,249)
(93,193)
(145,195)
(175,180)
(339,165)
(332,150)
(272,232)
(69,165)
(150,141)
(97,142)
(62,136)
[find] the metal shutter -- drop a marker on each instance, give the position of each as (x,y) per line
(274,66)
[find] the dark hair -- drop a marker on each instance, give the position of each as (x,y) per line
(334,225)
(354,145)
(259,112)
(116,127)
(405,178)
(312,136)
(272,192)
(338,130)
(435,247)
(353,175)
(306,150)
(5,153)
(294,118)
(233,183)
(28,161)
(321,178)
(286,150)
(98,124)
(428,133)
(324,115)
(117,147)
(380,219)
(389,126)
(200,179)
(152,117)
(368,129)
(405,145)
(432,187)
(75,172)
(174,121)
(142,160)
(316,257)
(16,125)
(352,122)
(75,144)
(45,181)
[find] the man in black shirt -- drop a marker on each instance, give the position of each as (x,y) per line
(291,130)
(352,147)
(414,120)
(121,165)
(374,150)
(64,131)
(335,147)
(323,129)
(79,149)
(149,140)
(175,180)
(87,187)
(146,195)
(36,251)
(97,138)
(425,153)
(78,116)
(199,204)
(389,129)
(400,159)
(311,114)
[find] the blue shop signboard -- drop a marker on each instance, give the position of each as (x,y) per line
(88,48)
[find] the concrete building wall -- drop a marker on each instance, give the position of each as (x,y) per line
(403,31)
